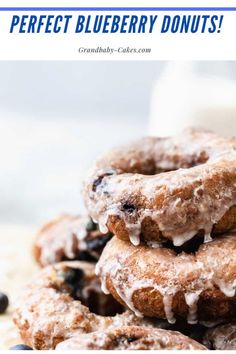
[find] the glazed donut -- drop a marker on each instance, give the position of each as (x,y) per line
(222,337)
(165,188)
(69,237)
(161,283)
(63,301)
(131,338)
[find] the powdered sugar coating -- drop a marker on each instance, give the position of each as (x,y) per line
(126,187)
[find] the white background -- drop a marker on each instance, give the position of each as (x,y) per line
(57,117)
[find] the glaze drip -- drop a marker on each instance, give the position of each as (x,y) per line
(62,236)
(185,194)
(131,269)
(192,300)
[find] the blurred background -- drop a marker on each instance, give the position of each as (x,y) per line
(57,117)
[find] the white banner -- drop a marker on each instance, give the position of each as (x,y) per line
(50,30)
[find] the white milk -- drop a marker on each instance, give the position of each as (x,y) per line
(181,99)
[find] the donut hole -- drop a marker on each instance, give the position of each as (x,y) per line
(178,161)
(87,291)
(150,167)
(154,165)
(101,304)
(174,163)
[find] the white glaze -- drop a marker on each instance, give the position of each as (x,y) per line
(207,238)
(207,209)
(64,235)
(206,272)
(167,302)
(229,289)
(192,300)
(126,293)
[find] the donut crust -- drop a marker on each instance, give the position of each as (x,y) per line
(131,338)
(69,237)
(47,313)
(159,283)
(160,189)
(222,337)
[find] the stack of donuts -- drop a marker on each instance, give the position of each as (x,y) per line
(165,253)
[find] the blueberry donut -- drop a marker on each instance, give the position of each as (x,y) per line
(64,300)
(160,189)
(69,237)
(131,338)
(172,284)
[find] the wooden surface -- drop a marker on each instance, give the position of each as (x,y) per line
(16,268)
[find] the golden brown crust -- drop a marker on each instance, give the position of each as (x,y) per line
(131,338)
(227,222)
(160,283)
(222,337)
(69,237)
(127,193)
(54,306)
